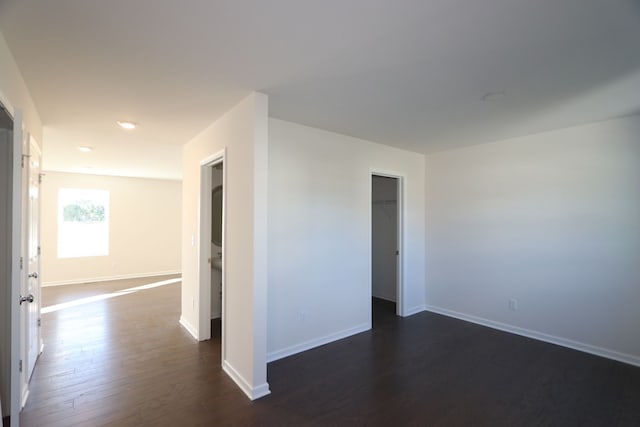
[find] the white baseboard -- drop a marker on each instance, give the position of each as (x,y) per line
(307,345)
(25,397)
(252,393)
(564,342)
(185,324)
(414,310)
(109,278)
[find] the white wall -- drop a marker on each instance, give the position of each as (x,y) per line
(14,92)
(320,234)
(14,95)
(243,132)
(144,229)
(552,220)
(384,218)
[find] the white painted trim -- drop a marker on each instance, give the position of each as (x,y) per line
(252,392)
(415,310)
(203,254)
(185,324)
(317,342)
(261,390)
(213,159)
(564,342)
(25,397)
(110,278)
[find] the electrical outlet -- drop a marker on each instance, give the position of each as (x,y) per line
(513,304)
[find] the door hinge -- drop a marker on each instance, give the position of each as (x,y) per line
(20,365)
(40,175)
(39,321)
(39,251)
(24,156)
(21,263)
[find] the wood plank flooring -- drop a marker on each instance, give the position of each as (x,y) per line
(125,361)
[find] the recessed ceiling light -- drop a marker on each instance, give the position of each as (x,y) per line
(493,96)
(127,125)
(85,148)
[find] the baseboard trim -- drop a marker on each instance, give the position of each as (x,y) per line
(25,397)
(317,342)
(109,278)
(414,310)
(185,324)
(252,393)
(552,339)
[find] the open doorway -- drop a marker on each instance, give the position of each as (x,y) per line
(217,196)
(385,244)
(211,250)
(109,242)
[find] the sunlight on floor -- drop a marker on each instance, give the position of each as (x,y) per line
(102,297)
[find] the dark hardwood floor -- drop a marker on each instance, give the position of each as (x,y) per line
(125,361)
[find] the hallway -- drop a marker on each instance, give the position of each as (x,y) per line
(122,360)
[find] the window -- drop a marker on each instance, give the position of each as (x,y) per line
(83,223)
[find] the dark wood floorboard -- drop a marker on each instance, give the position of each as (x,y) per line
(126,361)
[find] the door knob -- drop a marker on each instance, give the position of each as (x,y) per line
(34,275)
(26,299)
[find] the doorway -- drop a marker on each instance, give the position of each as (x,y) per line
(211,250)
(217,196)
(386,295)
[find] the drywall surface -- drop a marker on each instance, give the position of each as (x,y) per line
(144,229)
(550,220)
(242,131)
(14,92)
(384,234)
(320,234)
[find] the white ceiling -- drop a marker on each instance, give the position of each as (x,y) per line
(404,73)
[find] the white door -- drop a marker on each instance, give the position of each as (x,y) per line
(32,309)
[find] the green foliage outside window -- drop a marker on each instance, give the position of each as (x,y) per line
(83,211)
